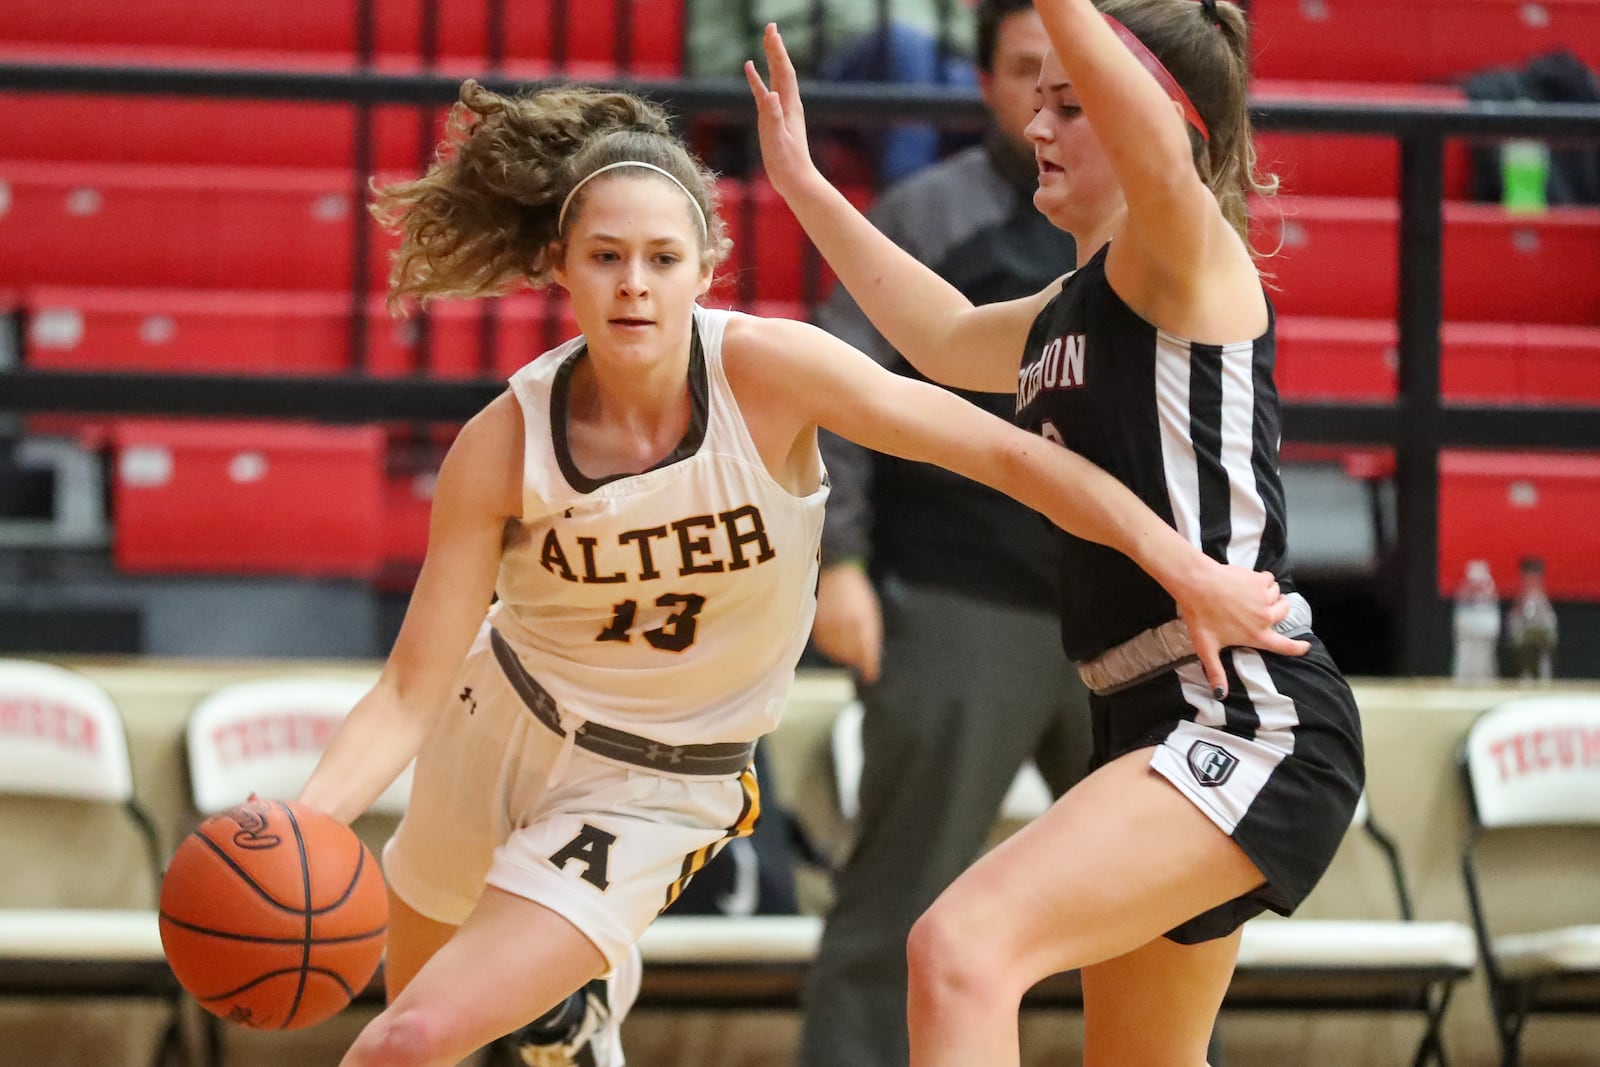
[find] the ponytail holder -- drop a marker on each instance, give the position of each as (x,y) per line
(1147,59)
(1209,8)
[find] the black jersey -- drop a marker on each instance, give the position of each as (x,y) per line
(1191,428)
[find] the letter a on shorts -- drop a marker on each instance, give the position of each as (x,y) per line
(592,848)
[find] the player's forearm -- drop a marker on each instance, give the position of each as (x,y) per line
(368,752)
(908,303)
(1084,500)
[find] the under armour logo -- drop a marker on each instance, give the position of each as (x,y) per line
(467,699)
(658,753)
(1210,764)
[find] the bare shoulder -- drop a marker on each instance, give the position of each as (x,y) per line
(496,428)
(757,337)
(484,465)
(774,356)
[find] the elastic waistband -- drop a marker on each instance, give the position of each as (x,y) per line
(713,760)
(1161,648)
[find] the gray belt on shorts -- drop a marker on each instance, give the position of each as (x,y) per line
(1161,648)
(711,760)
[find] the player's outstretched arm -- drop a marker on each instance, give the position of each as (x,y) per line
(918,312)
(828,383)
(478,489)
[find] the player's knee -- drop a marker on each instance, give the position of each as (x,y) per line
(948,959)
(406,1039)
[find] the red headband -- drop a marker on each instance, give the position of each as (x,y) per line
(1147,59)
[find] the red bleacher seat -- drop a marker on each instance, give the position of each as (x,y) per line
(1349,165)
(253,497)
(83,129)
(776,266)
(276,332)
(1323,164)
(1502,506)
(1338,257)
(407,502)
(188,227)
(1562,363)
(1415,40)
(285,25)
(643,38)
(1482,362)
(187,331)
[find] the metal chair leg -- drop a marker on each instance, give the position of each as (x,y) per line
(1431,1047)
(1511,1015)
(170,1049)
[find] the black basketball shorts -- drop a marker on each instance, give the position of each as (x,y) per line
(1277,764)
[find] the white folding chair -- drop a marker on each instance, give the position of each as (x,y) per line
(1386,963)
(265,736)
(1532,769)
(62,739)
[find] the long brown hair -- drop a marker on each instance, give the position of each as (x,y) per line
(1206,46)
(483,219)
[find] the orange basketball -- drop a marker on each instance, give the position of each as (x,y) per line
(273,915)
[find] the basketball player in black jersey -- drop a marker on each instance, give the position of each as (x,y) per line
(1212,801)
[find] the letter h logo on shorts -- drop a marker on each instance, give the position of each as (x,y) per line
(1211,764)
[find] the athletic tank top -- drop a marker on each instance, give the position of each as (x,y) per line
(1191,428)
(673,603)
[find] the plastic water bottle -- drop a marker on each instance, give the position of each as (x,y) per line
(1524,175)
(1531,625)
(1477,625)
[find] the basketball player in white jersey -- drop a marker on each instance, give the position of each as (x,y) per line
(646,502)
(1154,360)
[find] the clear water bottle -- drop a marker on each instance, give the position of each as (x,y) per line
(1477,625)
(1531,625)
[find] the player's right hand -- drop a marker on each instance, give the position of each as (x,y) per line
(849,624)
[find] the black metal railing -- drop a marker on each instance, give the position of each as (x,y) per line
(1417,425)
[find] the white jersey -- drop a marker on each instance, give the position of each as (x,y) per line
(675,603)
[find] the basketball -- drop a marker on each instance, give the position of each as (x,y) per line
(273,915)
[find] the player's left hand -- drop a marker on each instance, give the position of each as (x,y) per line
(1234,606)
(785,152)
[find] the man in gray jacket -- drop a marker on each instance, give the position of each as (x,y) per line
(940,593)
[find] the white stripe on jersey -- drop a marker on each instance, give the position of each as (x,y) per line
(1178,464)
(1247,512)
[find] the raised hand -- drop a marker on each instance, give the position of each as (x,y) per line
(782,120)
(1230,606)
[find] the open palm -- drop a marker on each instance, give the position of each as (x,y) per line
(782,119)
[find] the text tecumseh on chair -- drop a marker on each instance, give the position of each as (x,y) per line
(1531,861)
(77,918)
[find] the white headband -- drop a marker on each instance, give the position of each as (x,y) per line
(561,219)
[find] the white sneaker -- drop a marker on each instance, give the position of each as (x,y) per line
(598,1040)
